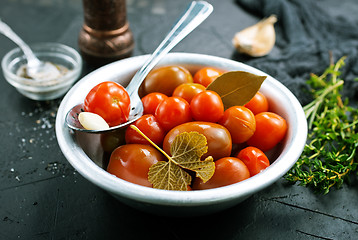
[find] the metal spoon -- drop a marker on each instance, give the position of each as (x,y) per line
(196,13)
(35,69)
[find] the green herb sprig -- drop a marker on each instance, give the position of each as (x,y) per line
(330,152)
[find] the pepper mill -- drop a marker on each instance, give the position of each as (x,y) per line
(105,35)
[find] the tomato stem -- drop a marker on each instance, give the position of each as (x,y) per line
(151,142)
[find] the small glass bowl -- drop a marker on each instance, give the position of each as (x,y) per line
(55,53)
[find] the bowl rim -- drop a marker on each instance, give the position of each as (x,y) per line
(29,84)
(88,169)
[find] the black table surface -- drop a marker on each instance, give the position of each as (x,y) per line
(43,197)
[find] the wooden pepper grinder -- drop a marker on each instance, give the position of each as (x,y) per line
(105,35)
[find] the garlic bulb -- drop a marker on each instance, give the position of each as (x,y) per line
(257,40)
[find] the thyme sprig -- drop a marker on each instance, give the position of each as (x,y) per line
(330,152)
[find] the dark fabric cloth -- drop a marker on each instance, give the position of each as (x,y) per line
(305,36)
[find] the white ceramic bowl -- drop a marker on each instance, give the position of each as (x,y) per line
(84,153)
(55,53)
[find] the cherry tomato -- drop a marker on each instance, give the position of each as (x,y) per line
(258,104)
(149,125)
(109,100)
(206,75)
(131,162)
(270,130)
(173,111)
(228,170)
(207,106)
(240,122)
(151,102)
(254,159)
(165,80)
(188,90)
(111,140)
(218,138)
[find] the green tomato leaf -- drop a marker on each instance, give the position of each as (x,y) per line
(186,152)
(236,87)
(187,149)
(169,176)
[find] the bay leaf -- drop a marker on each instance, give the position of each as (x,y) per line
(236,88)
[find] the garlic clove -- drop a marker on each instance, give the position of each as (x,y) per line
(257,40)
(92,121)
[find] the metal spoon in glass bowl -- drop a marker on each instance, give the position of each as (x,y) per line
(35,68)
(196,13)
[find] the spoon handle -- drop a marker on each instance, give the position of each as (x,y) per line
(8,32)
(196,13)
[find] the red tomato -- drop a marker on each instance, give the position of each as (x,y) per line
(228,170)
(258,104)
(207,106)
(206,75)
(109,100)
(240,122)
(218,138)
(270,130)
(149,125)
(151,102)
(165,80)
(131,162)
(254,159)
(188,90)
(173,111)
